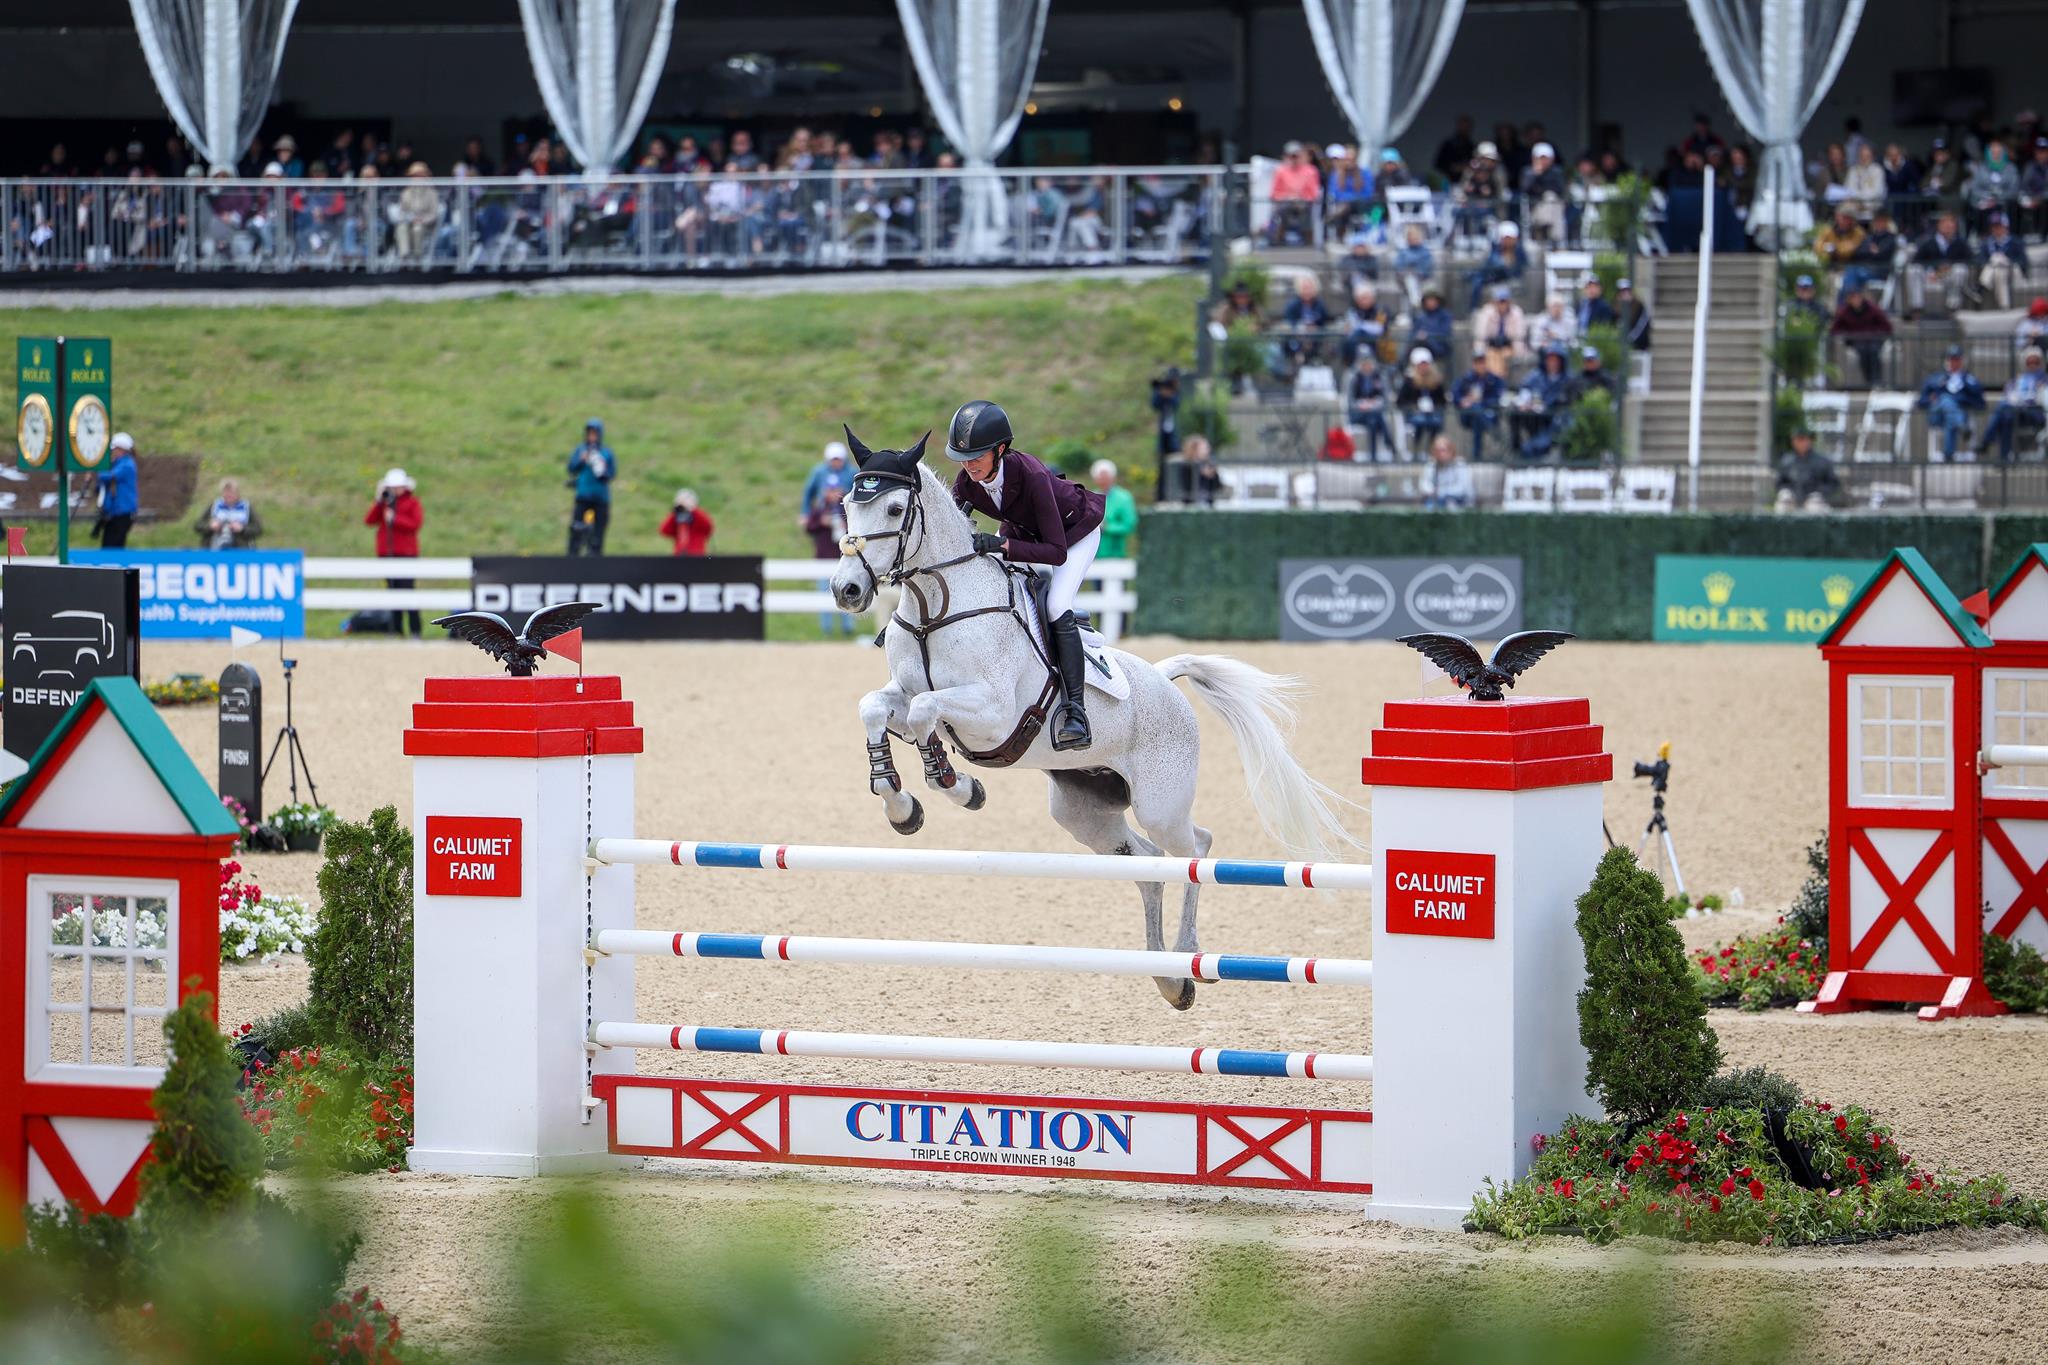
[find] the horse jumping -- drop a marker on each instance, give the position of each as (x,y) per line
(967,666)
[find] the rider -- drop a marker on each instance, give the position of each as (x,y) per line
(1046,520)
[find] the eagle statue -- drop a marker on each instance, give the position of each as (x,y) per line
(522,652)
(1455,655)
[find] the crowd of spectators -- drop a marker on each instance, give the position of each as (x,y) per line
(733,197)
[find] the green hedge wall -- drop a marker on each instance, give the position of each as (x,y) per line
(1211,575)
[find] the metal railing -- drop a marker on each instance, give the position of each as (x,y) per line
(1637,486)
(696,222)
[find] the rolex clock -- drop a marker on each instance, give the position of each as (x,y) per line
(34,430)
(90,430)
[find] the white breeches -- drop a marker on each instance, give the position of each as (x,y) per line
(1067,577)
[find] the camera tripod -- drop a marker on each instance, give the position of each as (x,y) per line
(288,735)
(1658,828)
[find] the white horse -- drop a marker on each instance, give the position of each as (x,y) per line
(965,666)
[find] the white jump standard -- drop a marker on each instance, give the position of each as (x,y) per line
(1486,828)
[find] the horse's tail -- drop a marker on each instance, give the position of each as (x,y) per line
(1293,807)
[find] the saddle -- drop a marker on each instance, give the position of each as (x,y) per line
(1027,606)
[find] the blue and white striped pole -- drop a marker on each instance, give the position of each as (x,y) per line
(1199,1061)
(890,952)
(1079,867)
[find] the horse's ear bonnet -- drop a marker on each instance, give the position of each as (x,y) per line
(881,470)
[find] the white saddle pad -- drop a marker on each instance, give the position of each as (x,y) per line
(1105,674)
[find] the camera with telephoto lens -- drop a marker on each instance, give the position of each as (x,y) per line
(1168,382)
(1659,772)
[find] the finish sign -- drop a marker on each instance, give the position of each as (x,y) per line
(1449,895)
(473,855)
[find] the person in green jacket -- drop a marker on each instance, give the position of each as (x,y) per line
(1119,512)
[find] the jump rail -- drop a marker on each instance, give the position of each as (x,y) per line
(896,1047)
(1073,867)
(1001,957)
(2017,756)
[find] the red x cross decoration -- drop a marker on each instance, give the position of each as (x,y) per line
(1902,900)
(1260,1148)
(728,1121)
(2032,881)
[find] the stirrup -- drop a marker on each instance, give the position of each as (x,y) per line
(1068,711)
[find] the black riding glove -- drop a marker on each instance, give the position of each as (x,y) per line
(986,544)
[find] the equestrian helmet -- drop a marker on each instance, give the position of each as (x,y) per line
(978,427)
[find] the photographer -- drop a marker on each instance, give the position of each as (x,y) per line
(118,501)
(1166,408)
(229,522)
(592,469)
(397,515)
(688,525)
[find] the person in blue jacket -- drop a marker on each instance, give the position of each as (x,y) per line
(592,467)
(1948,398)
(1477,395)
(118,500)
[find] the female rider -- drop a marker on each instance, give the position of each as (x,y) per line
(1045,519)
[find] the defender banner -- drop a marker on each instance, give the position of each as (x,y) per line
(65,626)
(679,597)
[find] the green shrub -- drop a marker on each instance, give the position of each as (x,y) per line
(1609,267)
(1621,214)
(2015,974)
(1605,337)
(1244,351)
(204,1160)
(1754,1087)
(1717,1175)
(1644,1026)
(1796,351)
(1206,412)
(1760,971)
(361,954)
(1252,273)
(322,1107)
(293,1026)
(1809,911)
(1593,431)
(1070,457)
(1788,414)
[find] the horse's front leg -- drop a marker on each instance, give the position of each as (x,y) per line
(881,711)
(962,790)
(974,708)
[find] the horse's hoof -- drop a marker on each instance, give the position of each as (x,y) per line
(914,823)
(977,797)
(1179,992)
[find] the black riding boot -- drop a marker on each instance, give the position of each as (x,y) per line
(1070,730)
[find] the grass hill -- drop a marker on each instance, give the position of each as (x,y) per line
(481,400)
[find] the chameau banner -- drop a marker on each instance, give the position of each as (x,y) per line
(1753,600)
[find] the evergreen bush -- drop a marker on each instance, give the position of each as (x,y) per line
(1643,1024)
(1754,1087)
(205,1158)
(361,954)
(1809,910)
(2015,974)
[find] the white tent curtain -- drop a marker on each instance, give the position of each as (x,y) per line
(597,63)
(975,60)
(1381,58)
(1775,60)
(215,64)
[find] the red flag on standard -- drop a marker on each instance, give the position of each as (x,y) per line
(569,645)
(17,540)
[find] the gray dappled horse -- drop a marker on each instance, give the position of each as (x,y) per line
(964,666)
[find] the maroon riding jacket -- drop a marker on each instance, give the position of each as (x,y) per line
(1042,513)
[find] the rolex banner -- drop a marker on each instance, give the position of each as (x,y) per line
(653,597)
(1753,600)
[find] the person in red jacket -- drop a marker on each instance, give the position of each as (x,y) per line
(396,515)
(688,525)
(1046,519)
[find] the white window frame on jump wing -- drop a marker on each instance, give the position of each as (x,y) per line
(44,955)
(2026,724)
(1894,728)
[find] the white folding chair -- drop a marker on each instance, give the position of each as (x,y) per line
(1528,490)
(1315,384)
(1648,490)
(1255,488)
(1953,486)
(1881,439)
(1584,490)
(1412,204)
(1827,417)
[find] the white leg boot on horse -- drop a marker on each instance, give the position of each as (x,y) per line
(968,671)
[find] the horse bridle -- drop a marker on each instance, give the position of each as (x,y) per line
(851,546)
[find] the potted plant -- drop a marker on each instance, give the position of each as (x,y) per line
(1593,433)
(301,823)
